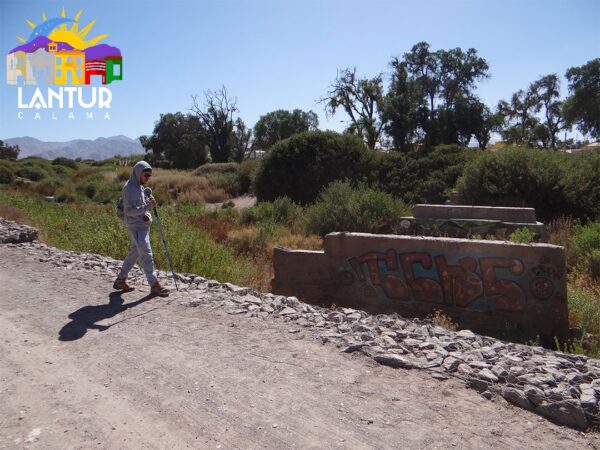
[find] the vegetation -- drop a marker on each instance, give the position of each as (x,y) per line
(300,166)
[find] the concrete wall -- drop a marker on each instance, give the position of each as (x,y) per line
(515,291)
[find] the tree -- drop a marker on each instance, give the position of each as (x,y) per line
(216,115)
(360,98)
(10,152)
(178,138)
(428,93)
(519,118)
(278,125)
(403,110)
(241,140)
(582,107)
(547,92)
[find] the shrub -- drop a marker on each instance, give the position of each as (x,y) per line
(301,166)
(6,174)
(282,211)
(582,188)
(423,176)
(35,169)
(247,174)
(585,246)
(343,208)
(217,168)
(61,161)
(522,235)
(228,182)
(547,181)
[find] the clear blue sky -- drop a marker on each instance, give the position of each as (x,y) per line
(284,54)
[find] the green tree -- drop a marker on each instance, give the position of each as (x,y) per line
(582,107)
(360,98)
(519,119)
(10,152)
(403,111)
(178,138)
(430,94)
(281,124)
(547,92)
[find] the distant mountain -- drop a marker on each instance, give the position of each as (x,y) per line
(97,149)
(101,51)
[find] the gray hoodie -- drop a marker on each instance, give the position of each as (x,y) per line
(135,203)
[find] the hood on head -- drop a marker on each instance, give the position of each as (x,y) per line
(139,167)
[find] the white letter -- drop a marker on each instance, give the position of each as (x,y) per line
(20,114)
(71,115)
(52,94)
(37,116)
(53,116)
(20,103)
(80,98)
(70,91)
(89,114)
(105,98)
(106,116)
(39,98)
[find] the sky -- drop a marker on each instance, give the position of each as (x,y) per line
(282,54)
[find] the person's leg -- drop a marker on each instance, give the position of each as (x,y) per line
(145,254)
(131,257)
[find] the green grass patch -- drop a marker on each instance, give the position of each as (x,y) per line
(96,229)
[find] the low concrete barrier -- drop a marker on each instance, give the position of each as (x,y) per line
(513,291)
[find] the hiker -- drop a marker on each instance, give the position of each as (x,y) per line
(136,215)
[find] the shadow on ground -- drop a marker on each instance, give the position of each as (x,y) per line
(85,318)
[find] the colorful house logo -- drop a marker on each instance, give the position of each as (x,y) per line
(57,52)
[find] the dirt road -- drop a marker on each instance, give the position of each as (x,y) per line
(82,367)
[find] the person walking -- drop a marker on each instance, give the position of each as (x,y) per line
(137,217)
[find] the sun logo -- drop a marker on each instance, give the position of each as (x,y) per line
(58,52)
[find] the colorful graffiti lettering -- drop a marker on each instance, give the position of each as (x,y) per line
(419,276)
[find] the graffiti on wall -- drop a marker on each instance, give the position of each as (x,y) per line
(467,281)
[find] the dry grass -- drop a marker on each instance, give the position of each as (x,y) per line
(442,320)
(183,187)
(560,232)
(14,214)
(262,275)
(295,241)
(217,227)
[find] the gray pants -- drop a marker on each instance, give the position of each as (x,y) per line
(140,248)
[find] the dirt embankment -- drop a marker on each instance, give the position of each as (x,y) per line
(85,367)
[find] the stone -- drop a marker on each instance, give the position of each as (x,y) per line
(566,412)
(487,375)
(393,360)
(534,394)
(517,397)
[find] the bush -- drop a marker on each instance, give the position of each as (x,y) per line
(301,166)
(522,236)
(585,246)
(582,188)
(545,180)
(247,174)
(217,168)
(343,208)
(423,176)
(35,169)
(282,211)
(61,161)
(6,174)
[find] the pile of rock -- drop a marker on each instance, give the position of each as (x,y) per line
(561,386)
(13,233)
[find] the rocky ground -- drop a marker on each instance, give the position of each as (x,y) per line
(435,362)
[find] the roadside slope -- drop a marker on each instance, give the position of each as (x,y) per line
(135,372)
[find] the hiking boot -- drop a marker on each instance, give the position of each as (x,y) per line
(158,289)
(120,284)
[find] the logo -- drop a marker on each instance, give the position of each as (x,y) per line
(60,52)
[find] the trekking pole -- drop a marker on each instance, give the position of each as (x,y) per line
(148,192)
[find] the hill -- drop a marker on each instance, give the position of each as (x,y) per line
(97,149)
